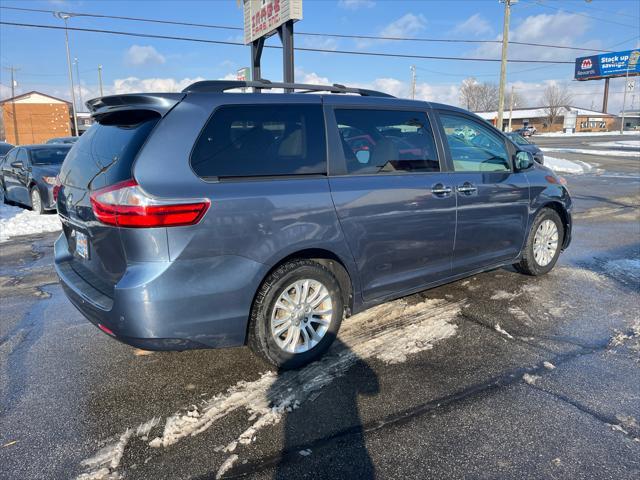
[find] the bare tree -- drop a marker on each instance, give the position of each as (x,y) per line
(555,98)
(478,97)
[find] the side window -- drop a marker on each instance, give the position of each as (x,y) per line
(386,141)
(262,140)
(474,147)
(23,157)
(10,158)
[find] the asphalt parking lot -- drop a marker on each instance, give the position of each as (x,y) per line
(495,376)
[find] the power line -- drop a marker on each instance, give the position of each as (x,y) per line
(303,49)
(312,34)
(559,9)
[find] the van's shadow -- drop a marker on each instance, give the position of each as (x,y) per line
(324,438)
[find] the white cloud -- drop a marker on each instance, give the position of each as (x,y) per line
(355,4)
(325,43)
(555,29)
(134,84)
(408,24)
(474,25)
(303,76)
(139,55)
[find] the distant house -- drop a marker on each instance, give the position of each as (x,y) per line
(35,117)
(631,119)
(580,119)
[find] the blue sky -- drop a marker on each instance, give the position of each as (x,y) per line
(152,64)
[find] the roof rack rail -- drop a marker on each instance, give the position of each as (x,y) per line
(220,86)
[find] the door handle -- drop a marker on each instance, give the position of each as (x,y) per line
(466,187)
(441,190)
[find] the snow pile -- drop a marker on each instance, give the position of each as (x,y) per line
(588,151)
(566,166)
(618,143)
(584,134)
(15,221)
(389,332)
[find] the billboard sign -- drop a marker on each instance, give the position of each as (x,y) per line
(243,74)
(262,17)
(608,65)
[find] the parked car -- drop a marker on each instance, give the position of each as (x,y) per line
(63,140)
(28,175)
(526,131)
(202,219)
(527,146)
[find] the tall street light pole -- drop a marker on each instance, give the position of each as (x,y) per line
(100,79)
(65,17)
(77,64)
(503,63)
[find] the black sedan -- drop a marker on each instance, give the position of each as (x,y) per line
(527,146)
(28,175)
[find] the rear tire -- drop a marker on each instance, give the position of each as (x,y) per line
(296,314)
(544,243)
(36,200)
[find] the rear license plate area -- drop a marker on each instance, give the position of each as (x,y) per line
(82,245)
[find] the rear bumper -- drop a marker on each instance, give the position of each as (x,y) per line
(169,305)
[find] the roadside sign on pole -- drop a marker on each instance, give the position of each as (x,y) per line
(243,74)
(263,17)
(631,85)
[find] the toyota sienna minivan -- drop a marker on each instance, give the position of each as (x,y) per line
(208,218)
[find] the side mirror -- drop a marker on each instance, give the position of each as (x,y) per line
(17,164)
(524,160)
(363,156)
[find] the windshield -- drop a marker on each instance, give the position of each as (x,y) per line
(49,156)
(518,139)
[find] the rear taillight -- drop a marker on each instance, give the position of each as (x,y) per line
(56,188)
(125,204)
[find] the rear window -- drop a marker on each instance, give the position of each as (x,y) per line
(107,150)
(261,140)
(49,156)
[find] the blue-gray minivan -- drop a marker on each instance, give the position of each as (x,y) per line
(208,218)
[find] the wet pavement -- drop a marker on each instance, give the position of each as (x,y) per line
(496,376)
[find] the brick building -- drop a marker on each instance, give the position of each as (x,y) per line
(580,119)
(35,117)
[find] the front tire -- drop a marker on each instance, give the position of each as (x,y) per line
(296,314)
(544,243)
(36,200)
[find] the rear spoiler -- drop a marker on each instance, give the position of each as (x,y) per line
(156,102)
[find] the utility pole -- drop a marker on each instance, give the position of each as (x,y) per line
(100,79)
(624,98)
(12,69)
(413,82)
(503,63)
(77,63)
(511,107)
(65,17)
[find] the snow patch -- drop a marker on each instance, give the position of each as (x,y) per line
(562,165)
(228,463)
(390,332)
(530,379)
(583,134)
(15,221)
(589,151)
(628,267)
(502,331)
(502,295)
(618,143)
(549,365)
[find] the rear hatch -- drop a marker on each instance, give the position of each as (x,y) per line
(102,157)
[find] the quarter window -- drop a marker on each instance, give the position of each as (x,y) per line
(474,147)
(261,140)
(386,141)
